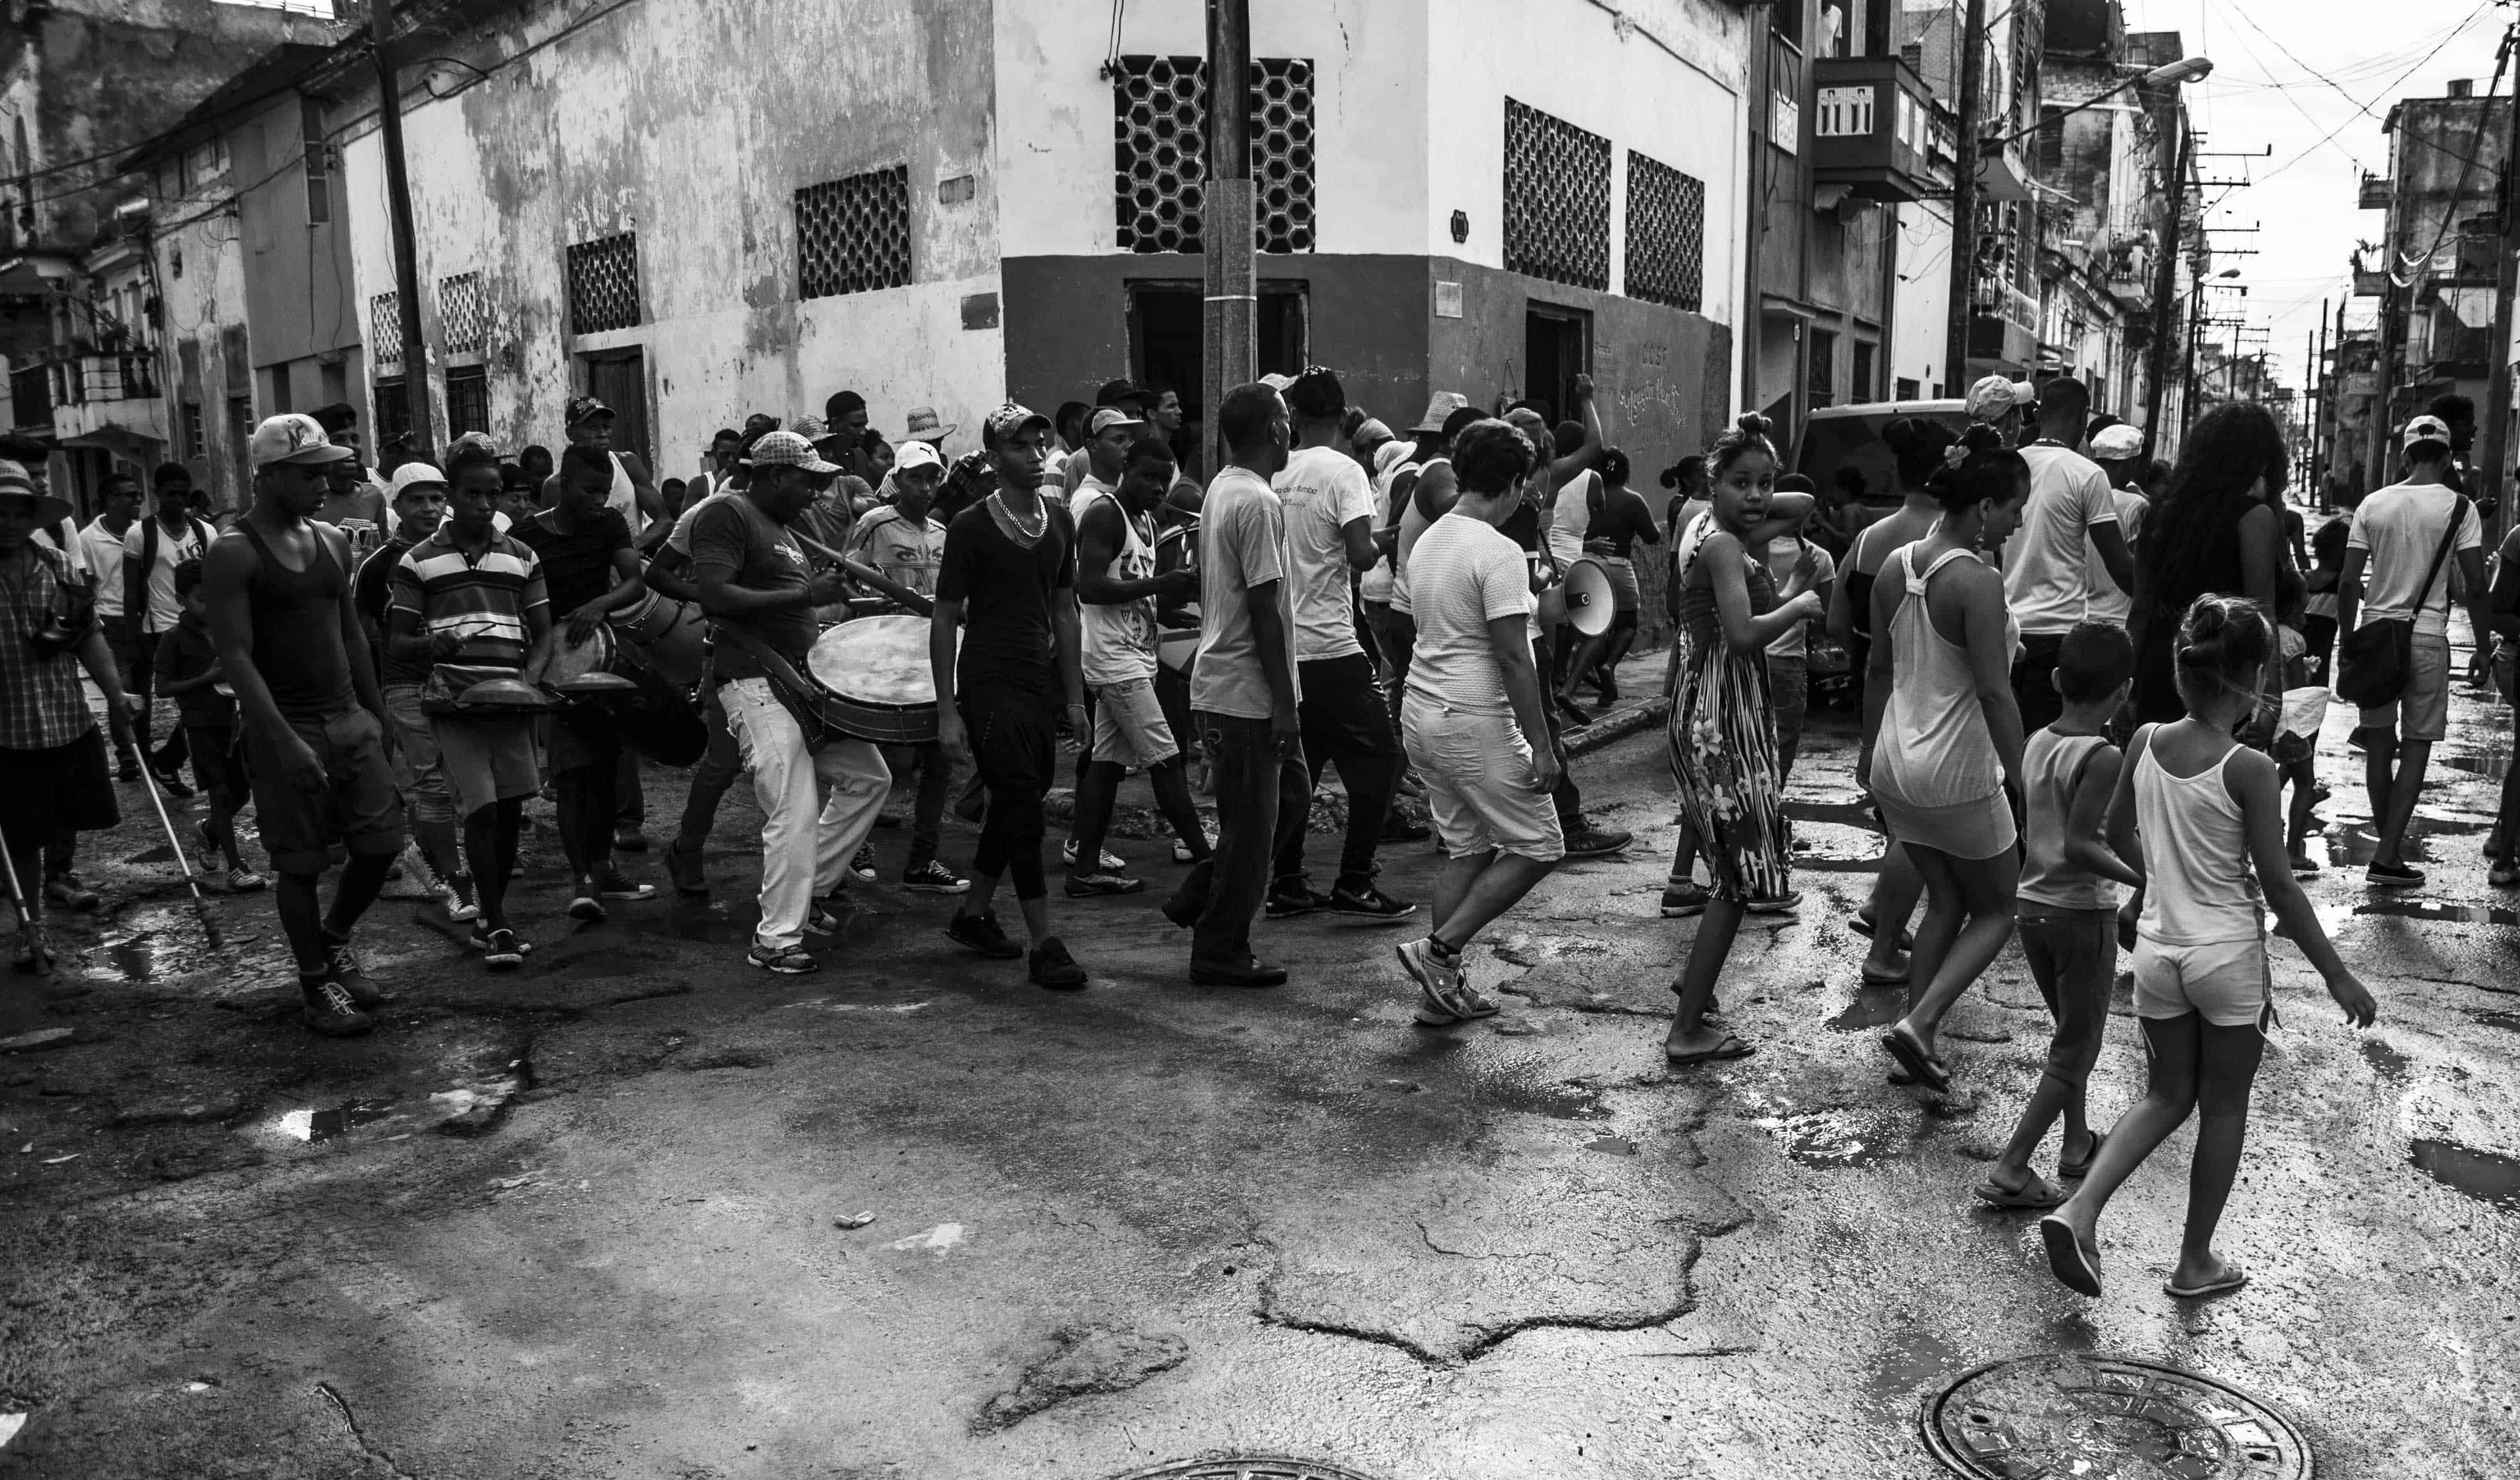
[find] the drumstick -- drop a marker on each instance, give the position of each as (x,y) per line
(915,601)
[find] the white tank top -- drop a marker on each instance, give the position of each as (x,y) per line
(2198,889)
(625,497)
(1412,527)
(1934,749)
(1117,642)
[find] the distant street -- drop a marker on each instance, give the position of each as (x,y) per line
(590,1219)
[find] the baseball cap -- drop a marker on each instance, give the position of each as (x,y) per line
(2427,430)
(908,457)
(787,449)
(584,408)
(1992,397)
(410,473)
(1109,417)
(2118,443)
(1439,410)
(1010,419)
(293,437)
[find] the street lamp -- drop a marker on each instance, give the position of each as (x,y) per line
(2169,75)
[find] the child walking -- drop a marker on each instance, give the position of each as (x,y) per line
(2068,905)
(2194,810)
(187,672)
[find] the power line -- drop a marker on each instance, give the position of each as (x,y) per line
(2467,166)
(2364,109)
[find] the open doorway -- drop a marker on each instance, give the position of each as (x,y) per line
(1167,336)
(619,378)
(1557,346)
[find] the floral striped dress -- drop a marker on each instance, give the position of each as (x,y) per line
(1723,741)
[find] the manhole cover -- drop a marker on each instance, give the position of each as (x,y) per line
(2106,1418)
(1245,1468)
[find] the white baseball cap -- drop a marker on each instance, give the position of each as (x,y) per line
(411,475)
(2117,443)
(295,438)
(2427,430)
(908,457)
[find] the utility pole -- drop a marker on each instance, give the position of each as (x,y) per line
(2328,390)
(2165,273)
(2496,453)
(406,251)
(1964,197)
(1230,327)
(2310,399)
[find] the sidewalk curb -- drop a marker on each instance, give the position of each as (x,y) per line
(1610,729)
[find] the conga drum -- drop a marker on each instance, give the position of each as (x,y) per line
(584,668)
(668,635)
(874,681)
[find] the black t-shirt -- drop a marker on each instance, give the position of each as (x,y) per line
(1010,595)
(372,591)
(733,536)
(576,568)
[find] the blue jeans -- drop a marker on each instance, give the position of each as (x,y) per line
(1262,802)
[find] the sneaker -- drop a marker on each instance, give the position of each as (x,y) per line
(67,890)
(863,865)
(1183,914)
(1368,903)
(933,877)
(586,906)
(2504,875)
(331,1011)
(1783,904)
(1682,899)
(1051,968)
(243,880)
(341,965)
(499,950)
(1111,862)
(1287,900)
(127,768)
(1089,885)
(1589,842)
(460,903)
(611,884)
(1182,853)
(209,850)
(683,867)
(787,960)
(983,934)
(822,920)
(171,782)
(1253,973)
(627,838)
(2382,876)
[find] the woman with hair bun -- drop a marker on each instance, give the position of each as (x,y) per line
(1723,736)
(2195,811)
(1945,734)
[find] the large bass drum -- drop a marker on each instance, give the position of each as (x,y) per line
(873,679)
(668,635)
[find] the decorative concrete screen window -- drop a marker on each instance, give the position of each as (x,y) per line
(603,284)
(1159,148)
(1843,112)
(1666,235)
(1556,199)
(853,235)
(384,333)
(463,315)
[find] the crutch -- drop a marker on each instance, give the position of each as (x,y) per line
(183,861)
(39,956)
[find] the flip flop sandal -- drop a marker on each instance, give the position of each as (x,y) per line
(2067,1259)
(2223,1286)
(2036,1192)
(1864,927)
(1913,1058)
(1731,1048)
(1873,977)
(2076,1171)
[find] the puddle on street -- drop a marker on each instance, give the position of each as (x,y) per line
(2350,845)
(1876,1008)
(167,943)
(313,1126)
(2487,1175)
(2492,765)
(1562,1100)
(2433,909)
(2509,1021)
(1837,1139)
(2387,1061)
(1612,1145)
(1917,1360)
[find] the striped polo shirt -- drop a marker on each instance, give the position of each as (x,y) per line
(484,598)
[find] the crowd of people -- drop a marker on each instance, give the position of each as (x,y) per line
(2087,681)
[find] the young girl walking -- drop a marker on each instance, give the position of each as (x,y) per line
(2194,812)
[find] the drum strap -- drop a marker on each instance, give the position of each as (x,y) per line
(794,694)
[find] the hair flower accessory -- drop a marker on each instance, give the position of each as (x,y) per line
(1955,454)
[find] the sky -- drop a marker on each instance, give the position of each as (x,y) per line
(2287,73)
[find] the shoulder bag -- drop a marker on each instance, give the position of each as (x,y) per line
(2374,661)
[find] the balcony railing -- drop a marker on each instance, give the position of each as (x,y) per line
(2374,194)
(35,390)
(125,377)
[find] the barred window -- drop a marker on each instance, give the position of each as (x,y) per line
(384,333)
(393,409)
(603,284)
(468,399)
(1159,150)
(853,235)
(1666,235)
(463,314)
(1556,199)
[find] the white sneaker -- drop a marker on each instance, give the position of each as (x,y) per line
(1112,863)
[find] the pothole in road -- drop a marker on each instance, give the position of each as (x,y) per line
(1246,1467)
(2108,1419)
(2485,1175)
(1837,1139)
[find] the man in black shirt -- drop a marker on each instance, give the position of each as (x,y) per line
(584,547)
(1009,577)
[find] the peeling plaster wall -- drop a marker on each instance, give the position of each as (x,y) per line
(662,118)
(203,320)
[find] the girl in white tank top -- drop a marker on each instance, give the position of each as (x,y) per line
(2193,812)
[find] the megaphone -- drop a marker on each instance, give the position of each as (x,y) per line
(1592,602)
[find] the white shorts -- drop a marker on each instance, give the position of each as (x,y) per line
(1481,788)
(1129,728)
(2225,982)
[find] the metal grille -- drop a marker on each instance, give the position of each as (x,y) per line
(467,400)
(1159,147)
(1556,199)
(463,314)
(394,409)
(603,284)
(853,235)
(384,333)
(1666,235)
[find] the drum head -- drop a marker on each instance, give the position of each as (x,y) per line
(876,660)
(1592,602)
(572,661)
(597,684)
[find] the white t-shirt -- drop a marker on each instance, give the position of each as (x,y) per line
(2107,602)
(1116,641)
(173,549)
(2046,581)
(1322,491)
(1377,582)
(1571,516)
(100,549)
(1784,553)
(2400,527)
(1466,575)
(1242,544)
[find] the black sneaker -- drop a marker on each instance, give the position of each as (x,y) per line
(331,1011)
(71,892)
(1589,842)
(1290,899)
(2392,877)
(983,934)
(862,867)
(1399,827)
(1682,898)
(933,877)
(1051,968)
(341,965)
(173,783)
(1253,973)
(1089,885)
(587,905)
(627,838)
(127,768)
(499,950)
(613,883)
(683,867)
(1368,903)
(1181,914)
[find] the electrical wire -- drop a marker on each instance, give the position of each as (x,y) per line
(2467,166)
(2394,84)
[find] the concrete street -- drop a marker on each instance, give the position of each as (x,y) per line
(587,1220)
